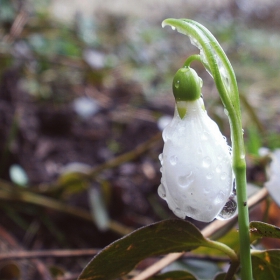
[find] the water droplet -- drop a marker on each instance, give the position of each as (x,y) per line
(206,190)
(242,156)
(218,168)
(200,82)
(185,181)
(206,162)
(223,176)
(179,213)
(177,84)
(161,191)
(173,160)
(229,210)
(173,27)
(226,111)
(160,157)
(209,175)
(219,198)
(191,211)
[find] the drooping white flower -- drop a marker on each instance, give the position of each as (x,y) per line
(197,178)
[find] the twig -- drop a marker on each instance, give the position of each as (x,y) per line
(17,26)
(47,254)
(207,232)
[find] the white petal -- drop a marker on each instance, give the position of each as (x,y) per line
(196,165)
(273,185)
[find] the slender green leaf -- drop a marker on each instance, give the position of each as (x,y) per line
(176,275)
(213,58)
(260,230)
(163,237)
(266,265)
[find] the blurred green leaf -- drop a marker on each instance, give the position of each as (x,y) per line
(178,275)
(221,276)
(266,265)
(260,230)
(253,143)
(122,256)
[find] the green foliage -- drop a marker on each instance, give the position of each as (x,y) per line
(122,256)
(266,265)
(178,275)
(260,230)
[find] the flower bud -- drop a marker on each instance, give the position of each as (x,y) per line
(186,87)
(197,178)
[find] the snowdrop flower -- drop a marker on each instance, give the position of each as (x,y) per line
(197,177)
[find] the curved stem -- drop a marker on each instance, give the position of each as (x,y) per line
(192,58)
(227,250)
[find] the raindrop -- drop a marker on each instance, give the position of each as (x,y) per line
(229,210)
(200,82)
(173,160)
(209,175)
(223,176)
(161,191)
(219,198)
(206,162)
(218,168)
(185,181)
(177,84)
(191,211)
(206,190)
(226,111)
(173,27)
(160,157)
(179,213)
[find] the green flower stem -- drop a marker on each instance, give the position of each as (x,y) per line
(192,58)
(217,64)
(228,251)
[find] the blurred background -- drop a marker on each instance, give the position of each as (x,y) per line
(85,91)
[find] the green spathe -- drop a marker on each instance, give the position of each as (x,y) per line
(186,85)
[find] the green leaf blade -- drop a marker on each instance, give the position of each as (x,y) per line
(122,256)
(260,230)
(266,265)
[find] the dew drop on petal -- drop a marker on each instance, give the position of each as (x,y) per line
(173,160)
(219,198)
(229,210)
(209,175)
(161,191)
(160,157)
(186,180)
(206,162)
(223,176)
(218,168)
